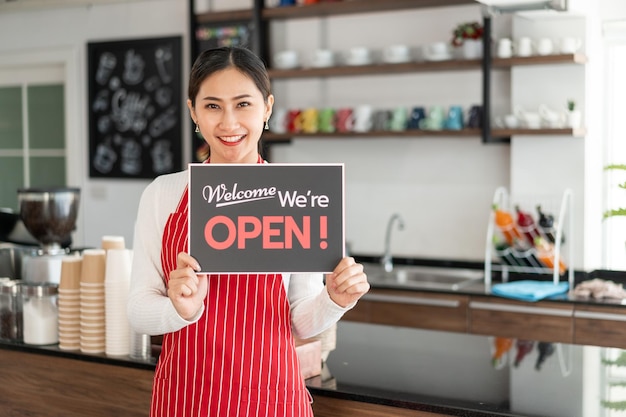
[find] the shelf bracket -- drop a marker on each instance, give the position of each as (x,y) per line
(486,64)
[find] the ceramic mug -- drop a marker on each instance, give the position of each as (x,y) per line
(545,46)
(326,120)
(454,121)
(322,58)
(380,120)
(417,114)
(569,45)
(286,59)
(306,121)
(344,121)
(524,46)
(278,120)
(398,120)
(363,118)
(505,48)
(358,55)
(435,119)
(292,115)
(396,53)
(475,117)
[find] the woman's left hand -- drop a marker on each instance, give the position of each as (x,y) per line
(347,283)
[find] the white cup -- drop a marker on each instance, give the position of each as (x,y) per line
(505,48)
(396,53)
(363,118)
(437,49)
(278,120)
(322,58)
(524,46)
(569,45)
(358,55)
(545,46)
(286,59)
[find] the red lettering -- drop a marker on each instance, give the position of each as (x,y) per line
(247,234)
(302,235)
(208,232)
(268,232)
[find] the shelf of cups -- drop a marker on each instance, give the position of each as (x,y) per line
(286,137)
(412,133)
(540,60)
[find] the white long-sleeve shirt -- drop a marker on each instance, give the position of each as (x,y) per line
(150,310)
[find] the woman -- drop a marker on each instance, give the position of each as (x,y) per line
(228,345)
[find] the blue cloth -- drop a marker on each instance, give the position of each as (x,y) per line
(528,290)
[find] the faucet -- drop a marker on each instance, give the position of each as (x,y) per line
(386,260)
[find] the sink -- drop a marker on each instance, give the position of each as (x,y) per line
(425,277)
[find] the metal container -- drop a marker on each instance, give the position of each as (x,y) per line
(10,310)
(40,313)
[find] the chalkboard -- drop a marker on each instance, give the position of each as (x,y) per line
(135,108)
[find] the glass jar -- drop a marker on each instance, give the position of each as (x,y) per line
(10,310)
(40,313)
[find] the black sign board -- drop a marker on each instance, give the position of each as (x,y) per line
(135,107)
(262,218)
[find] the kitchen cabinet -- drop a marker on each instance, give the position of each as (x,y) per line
(36,384)
(546,321)
(422,310)
(261,16)
(337,407)
(594,324)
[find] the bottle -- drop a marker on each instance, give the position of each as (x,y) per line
(524,347)
(527,225)
(545,254)
(547,226)
(502,346)
(546,349)
(505,223)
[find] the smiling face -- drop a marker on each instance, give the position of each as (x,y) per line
(231,112)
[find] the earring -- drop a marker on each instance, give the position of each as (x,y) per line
(197,128)
(267,126)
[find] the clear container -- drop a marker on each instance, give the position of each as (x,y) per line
(40,313)
(10,310)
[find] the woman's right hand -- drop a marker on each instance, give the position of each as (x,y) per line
(186,289)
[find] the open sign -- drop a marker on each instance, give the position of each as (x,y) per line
(263,218)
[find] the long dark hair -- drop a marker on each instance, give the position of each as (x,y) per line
(217,59)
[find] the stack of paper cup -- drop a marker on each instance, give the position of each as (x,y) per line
(69,303)
(113,242)
(116,288)
(92,320)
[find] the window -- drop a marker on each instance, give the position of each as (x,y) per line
(32,131)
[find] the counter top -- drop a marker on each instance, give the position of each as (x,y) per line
(324,385)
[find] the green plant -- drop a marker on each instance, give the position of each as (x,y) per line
(571,105)
(468,30)
(622,210)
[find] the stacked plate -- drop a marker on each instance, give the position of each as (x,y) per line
(92,296)
(69,303)
(117,286)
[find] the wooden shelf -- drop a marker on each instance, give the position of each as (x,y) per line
(540,60)
(352,7)
(423,66)
(226,16)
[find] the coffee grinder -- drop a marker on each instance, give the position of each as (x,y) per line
(49,214)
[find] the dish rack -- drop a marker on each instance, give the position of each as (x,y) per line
(564,227)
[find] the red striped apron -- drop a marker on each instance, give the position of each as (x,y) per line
(239,359)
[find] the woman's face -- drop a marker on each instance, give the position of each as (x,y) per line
(230,112)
